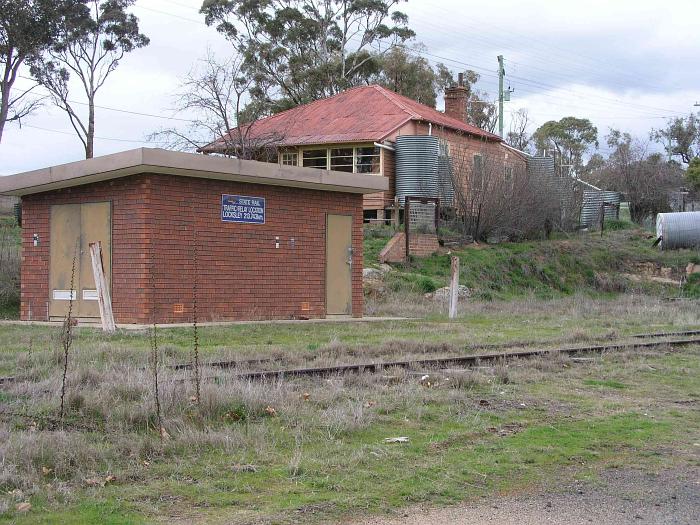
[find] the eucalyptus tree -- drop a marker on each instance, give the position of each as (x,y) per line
(298,51)
(27,29)
(92,51)
(570,138)
(681,137)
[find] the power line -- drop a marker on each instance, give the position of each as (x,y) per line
(118,110)
(201,22)
(546,46)
(484,72)
(61,132)
(603,105)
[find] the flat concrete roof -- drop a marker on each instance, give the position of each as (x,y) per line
(156,160)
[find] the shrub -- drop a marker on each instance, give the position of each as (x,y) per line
(692,286)
(373,231)
(614,224)
(9,268)
(426,284)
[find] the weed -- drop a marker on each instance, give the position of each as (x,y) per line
(691,288)
(67,335)
(608,383)
(154,349)
(614,225)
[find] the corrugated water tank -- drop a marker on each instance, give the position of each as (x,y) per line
(593,201)
(417,166)
(678,230)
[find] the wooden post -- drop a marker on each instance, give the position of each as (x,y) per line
(602,218)
(406,212)
(454,287)
(104,299)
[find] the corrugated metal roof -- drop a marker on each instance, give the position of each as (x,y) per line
(361,114)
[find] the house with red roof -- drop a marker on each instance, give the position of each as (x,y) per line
(356,131)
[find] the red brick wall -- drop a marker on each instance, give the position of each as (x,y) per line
(241,273)
(456,98)
(463,147)
(421,245)
(130,242)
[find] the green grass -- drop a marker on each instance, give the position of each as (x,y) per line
(608,383)
(692,286)
(584,263)
(516,321)
(375,238)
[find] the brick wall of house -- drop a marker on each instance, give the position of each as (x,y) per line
(462,149)
(241,273)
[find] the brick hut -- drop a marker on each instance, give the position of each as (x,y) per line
(273,242)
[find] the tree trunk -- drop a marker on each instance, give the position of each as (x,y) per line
(4,109)
(90,138)
(3,118)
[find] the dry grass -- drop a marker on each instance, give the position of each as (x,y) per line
(300,428)
(251,422)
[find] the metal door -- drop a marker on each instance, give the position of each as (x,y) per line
(73,227)
(338,265)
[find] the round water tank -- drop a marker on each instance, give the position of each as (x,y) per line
(417,166)
(678,230)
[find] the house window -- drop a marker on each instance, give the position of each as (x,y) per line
(508,174)
(315,158)
(289,159)
(368,160)
(508,179)
(342,159)
(478,173)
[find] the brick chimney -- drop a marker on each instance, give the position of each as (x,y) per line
(456,98)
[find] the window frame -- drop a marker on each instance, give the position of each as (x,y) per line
(303,152)
(354,147)
(294,154)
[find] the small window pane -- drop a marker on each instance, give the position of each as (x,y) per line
(368,160)
(289,159)
(316,158)
(341,159)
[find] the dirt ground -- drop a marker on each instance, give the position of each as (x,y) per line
(620,497)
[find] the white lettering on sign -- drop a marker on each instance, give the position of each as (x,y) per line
(239,208)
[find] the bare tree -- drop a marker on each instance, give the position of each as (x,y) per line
(646,180)
(93,51)
(494,198)
(216,93)
(518,136)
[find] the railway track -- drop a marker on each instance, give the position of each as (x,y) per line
(465,361)
(245,363)
(460,361)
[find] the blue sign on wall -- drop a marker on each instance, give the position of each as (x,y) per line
(239,208)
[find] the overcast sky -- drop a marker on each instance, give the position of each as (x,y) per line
(624,64)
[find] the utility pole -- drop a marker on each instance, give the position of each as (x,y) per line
(501,74)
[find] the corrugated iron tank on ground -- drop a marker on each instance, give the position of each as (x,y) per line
(592,202)
(423,169)
(678,230)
